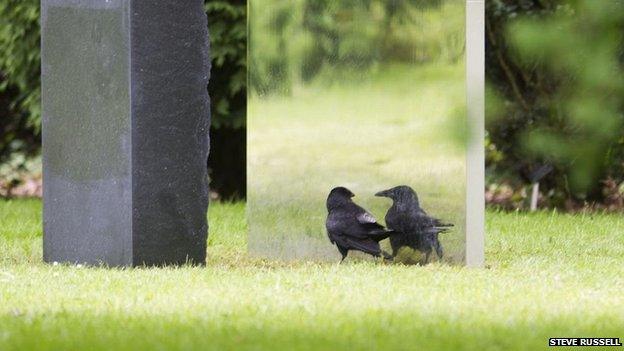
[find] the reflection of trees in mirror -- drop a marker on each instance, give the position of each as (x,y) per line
(348,37)
(556,70)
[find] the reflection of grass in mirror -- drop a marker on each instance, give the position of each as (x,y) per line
(394,127)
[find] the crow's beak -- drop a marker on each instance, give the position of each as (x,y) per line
(383,193)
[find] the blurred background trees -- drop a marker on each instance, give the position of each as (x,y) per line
(555,101)
(350,36)
(554,72)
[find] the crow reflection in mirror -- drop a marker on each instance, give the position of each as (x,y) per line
(411,226)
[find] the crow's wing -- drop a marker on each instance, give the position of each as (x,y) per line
(405,232)
(429,221)
(365,217)
(347,232)
(367,245)
(334,226)
(410,225)
(344,228)
(367,224)
(428,224)
(415,229)
(400,221)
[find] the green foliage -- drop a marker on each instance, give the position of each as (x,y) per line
(227,21)
(590,96)
(20,114)
(20,70)
(295,42)
(268,49)
(556,69)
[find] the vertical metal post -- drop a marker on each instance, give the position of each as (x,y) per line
(475,165)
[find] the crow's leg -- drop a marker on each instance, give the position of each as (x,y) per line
(427,256)
(395,252)
(438,249)
(387,256)
(395,248)
(344,252)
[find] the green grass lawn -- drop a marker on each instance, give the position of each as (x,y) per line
(548,275)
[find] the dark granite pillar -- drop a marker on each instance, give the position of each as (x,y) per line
(125,131)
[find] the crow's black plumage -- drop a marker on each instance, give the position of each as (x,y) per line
(350,227)
(411,225)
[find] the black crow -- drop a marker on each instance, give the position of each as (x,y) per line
(411,225)
(350,227)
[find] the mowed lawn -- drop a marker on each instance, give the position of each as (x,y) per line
(547,275)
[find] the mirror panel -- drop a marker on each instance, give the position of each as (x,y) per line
(362,94)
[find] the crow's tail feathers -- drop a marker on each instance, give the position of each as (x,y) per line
(379,235)
(441,230)
(434,231)
(442,227)
(439,223)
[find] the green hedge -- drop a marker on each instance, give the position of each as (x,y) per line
(20,114)
(19,77)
